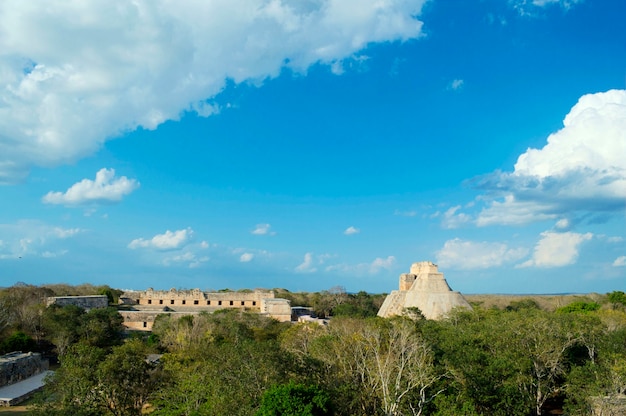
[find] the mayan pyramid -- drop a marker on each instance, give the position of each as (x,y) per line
(425,288)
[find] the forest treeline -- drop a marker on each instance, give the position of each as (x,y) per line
(515,360)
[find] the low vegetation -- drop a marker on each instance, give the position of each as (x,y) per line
(516,357)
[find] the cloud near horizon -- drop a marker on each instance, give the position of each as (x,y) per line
(462,254)
(75,75)
(556,249)
(105,188)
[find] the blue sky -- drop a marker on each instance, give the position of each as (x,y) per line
(310,144)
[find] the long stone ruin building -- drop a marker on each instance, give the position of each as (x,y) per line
(423,287)
(21,374)
(85,302)
(145,306)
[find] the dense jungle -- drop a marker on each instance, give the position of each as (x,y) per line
(508,356)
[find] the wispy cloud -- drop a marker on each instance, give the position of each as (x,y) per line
(246,257)
(374,267)
(405,213)
(105,188)
(307,265)
(620,261)
(262,229)
(34,238)
(532,7)
(456,84)
(454,219)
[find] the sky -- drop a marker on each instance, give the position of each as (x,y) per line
(309,144)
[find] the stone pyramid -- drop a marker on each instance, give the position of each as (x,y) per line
(425,288)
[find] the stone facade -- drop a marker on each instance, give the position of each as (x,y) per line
(144,320)
(196,298)
(423,287)
(279,309)
(147,305)
(85,302)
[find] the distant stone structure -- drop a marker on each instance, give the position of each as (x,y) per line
(148,304)
(85,302)
(423,287)
(21,374)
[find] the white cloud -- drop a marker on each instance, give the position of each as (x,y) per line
(405,213)
(351,230)
(456,84)
(460,254)
(620,261)
(530,7)
(582,168)
(75,74)
(307,264)
(380,263)
(562,224)
(51,255)
(453,220)
(188,258)
(105,188)
(376,266)
(246,257)
(263,229)
(556,249)
(167,241)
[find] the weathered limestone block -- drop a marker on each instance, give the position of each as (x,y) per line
(425,288)
(85,302)
(279,309)
(18,366)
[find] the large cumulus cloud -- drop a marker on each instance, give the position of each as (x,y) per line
(581,169)
(74,74)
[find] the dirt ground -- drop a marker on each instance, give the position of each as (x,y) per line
(14,410)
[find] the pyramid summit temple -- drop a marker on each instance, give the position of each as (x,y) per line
(424,287)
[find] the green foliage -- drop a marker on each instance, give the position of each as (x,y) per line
(617,298)
(18,341)
(522,304)
(512,360)
(295,400)
(360,305)
(112,295)
(579,307)
(65,325)
(91,381)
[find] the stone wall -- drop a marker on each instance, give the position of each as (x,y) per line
(85,302)
(144,320)
(146,305)
(196,298)
(18,366)
(279,309)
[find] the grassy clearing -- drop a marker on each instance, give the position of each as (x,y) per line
(545,302)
